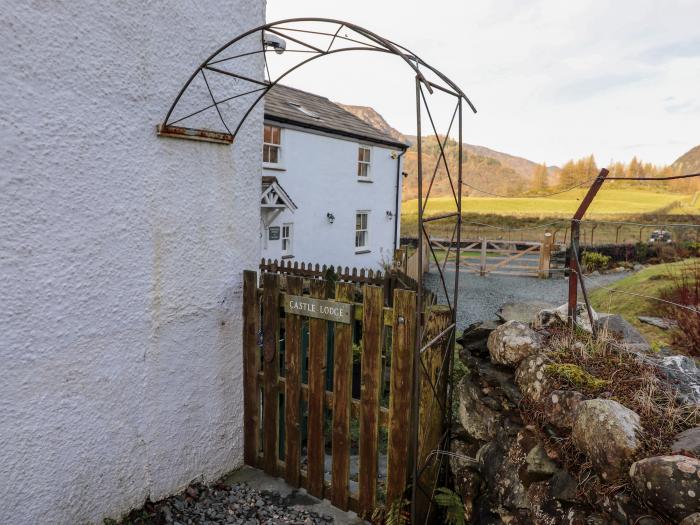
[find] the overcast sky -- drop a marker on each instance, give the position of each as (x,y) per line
(551,79)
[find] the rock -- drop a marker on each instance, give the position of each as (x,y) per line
(619,328)
(563,487)
(478,419)
(539,463)
(475,337)
(668,484)
(560,407)
(531,378)
(560,315)
(465,473)
(658,322)
(687,442)
(684,373)
(594,273)
(608,433)
(512,342)
(637,267)
(524,312)
(619,269)
(500,462)
(693,519)
(496,379)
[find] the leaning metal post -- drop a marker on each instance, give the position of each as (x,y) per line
(415,401)
(574,270)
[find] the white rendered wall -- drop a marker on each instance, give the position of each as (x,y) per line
(320,176)
(120,258)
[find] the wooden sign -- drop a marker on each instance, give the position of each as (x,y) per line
(274,233)
(318,308)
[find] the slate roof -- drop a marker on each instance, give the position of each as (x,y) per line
(319,113)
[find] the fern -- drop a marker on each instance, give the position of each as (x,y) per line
(396,514)
(452,504)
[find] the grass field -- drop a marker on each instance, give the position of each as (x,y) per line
(508,216)
(609,202)
(650,281)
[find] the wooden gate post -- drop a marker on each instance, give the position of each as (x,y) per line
(271,314)
(371,367)
(251,367)
(482,266)
(545,256)
(292,388)
(403,346)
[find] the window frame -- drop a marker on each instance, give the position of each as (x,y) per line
(289,239)
(366,163)
(272,145)
(364,248)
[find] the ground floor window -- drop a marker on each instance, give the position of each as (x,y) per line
(361,230)
(287,238)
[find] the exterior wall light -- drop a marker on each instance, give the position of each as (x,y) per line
(389,215)
(330,217)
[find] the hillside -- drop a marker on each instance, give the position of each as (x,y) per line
(689,162)
(483,168)
(373,118)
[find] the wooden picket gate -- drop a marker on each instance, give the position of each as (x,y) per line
(306,399)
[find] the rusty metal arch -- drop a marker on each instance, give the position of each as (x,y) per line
(365,40)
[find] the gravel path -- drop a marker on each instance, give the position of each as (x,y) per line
(221,503)
(480,297)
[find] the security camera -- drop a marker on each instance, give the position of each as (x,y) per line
(275,42)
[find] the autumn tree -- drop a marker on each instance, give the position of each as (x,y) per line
(540,179)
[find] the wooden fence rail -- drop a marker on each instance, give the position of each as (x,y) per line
(306,388)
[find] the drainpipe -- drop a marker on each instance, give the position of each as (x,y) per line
(396,205)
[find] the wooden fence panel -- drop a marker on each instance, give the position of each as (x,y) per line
(342,396)
(400,392)
(372,326)
(433,399)
(271,286)
(292,388)
(318,333)
(251,366)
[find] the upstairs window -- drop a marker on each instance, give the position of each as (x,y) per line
(363,162)
(271,144)
(287,239)
(361,232)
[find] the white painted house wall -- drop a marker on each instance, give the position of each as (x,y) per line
(120,258)
(319,173)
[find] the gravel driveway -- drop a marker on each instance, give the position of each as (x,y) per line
(480,297)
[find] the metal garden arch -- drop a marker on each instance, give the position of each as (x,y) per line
(217,99)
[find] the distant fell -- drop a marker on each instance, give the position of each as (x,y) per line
(689,162)
(374,119)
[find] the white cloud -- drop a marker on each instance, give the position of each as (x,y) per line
(551,80)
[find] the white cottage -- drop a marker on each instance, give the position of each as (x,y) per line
(121,258)
(331,186)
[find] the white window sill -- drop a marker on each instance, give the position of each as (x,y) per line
(362,251)
(273,166)
(364,179)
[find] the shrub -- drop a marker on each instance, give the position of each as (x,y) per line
(595,261)
(685,291)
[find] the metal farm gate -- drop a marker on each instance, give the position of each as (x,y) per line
(328,367)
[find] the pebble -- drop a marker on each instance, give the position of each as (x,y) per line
(236,504)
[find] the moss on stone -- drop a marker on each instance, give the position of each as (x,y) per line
(575,375)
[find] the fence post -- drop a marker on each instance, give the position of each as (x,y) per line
(316,446)
(482,266)
(403,346)
(251,366)
(271,289)
(342,398)
(545,255)
(371,369)
(292,388)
